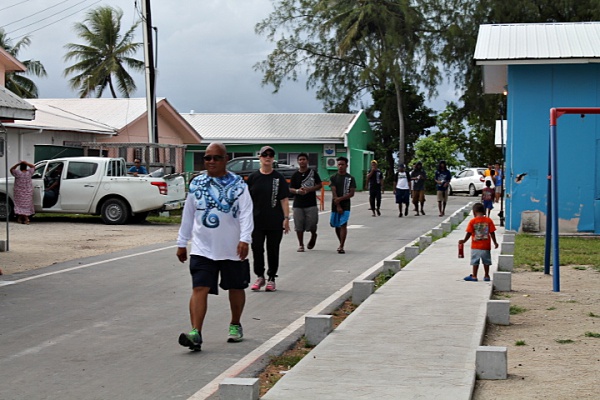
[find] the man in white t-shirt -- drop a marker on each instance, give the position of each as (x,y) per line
(217,218)
(402,189)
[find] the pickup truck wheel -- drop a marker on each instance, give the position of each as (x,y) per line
(472,190)
(114,212)
(4,208)
(450,191)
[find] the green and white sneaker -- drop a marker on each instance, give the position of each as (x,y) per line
(236,333)
(192,340)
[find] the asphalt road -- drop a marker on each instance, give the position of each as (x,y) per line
(106,327)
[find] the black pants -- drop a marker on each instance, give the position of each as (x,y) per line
(273,238)
(375,199)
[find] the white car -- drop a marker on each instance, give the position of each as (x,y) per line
(469,180)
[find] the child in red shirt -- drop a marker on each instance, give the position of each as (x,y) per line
(482,229)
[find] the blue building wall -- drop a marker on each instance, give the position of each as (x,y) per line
(533,90)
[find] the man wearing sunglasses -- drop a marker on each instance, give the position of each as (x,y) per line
(217,218)
(138,168)
(269,191)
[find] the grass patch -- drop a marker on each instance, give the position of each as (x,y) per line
(580,267)
(580,251)
(551,308)
(591,314)
(154,217)
(514,310)
(383,277)
(520,343)
(286,361)
(592,334)
(564,341)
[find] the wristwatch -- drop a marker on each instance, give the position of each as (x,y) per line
(286,217)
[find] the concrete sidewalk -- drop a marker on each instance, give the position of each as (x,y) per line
(415,337)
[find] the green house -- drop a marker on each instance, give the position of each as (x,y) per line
(324,137)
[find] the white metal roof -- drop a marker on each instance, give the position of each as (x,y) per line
(272,128)
(105,115)
(538,43)
(13,107)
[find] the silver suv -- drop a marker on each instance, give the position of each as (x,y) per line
(468,180)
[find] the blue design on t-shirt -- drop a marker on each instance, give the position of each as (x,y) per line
(217,193)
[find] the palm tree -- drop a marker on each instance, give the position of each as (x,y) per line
(15,81)
(104,57)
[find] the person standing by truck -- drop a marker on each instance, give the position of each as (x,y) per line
(217,218)
(23,191)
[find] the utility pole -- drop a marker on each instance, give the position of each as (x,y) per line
(150,73)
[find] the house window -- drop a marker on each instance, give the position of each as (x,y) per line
(292,159)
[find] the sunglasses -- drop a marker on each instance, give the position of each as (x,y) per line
(216,158)
(267,154)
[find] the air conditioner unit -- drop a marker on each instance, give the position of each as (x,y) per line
(331,162)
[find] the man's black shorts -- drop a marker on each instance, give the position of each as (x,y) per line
(205,272)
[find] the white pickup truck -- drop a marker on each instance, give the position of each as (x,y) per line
(98,186)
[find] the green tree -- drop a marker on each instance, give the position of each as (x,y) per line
(384,122)
(16,82)
(104,56)
(349,48)
(430,150)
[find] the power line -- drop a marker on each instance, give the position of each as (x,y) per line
(52,23)
(16,4)
(49,16)
(31,15)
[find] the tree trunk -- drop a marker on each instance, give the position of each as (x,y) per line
(401,140)
(112,89)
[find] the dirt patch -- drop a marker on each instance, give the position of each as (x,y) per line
(43,243)
(552,348)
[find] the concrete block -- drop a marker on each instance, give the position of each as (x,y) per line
(317,327)
(446,227)
(498,312)
(510,232)
(506,262)
(508,237)
(437,232)
(411,252)
(2,245)
(491,362)
(502,281)
(507,248)
(239,389)
(164,214)
(393,265)
(424,242)
(361,290)
(455,220)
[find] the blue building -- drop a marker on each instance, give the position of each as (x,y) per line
(539,67)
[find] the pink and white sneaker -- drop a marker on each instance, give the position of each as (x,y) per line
(260,282)
(270,286)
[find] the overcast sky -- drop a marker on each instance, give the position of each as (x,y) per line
(206,51)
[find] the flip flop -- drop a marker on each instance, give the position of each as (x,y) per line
(312,242)
(486,279)
(341,251)
(300,249)
(470,279)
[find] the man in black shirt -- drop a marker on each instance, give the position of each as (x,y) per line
(343,186)
(304,184)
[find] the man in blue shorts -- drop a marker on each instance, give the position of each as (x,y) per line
(217,218)
(343,186)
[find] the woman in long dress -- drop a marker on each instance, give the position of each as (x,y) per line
(23,190)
